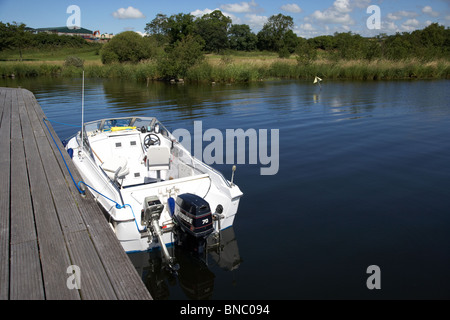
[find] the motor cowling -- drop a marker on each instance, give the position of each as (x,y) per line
(193,215)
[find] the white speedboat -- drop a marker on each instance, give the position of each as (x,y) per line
(154,193)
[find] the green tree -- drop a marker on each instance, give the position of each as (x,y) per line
(183,55)
(306,53)
(290,41)
(14,36)
(179,26)
(213,28)
(397,47)
(372,49)
(127,46)
(430,42)
(275,33)
(241,38)
(4,36)
(159,28)
(326,43)
(349,45)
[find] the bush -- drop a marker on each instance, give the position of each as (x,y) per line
(74,61)
(284,53)
(183,55)
(108,57)
(127,46)
(306,53)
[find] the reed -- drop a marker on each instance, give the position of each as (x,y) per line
(233,70)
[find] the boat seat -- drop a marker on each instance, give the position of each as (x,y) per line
(158,158)
(116,168)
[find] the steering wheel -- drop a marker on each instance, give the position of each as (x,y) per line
(151,140)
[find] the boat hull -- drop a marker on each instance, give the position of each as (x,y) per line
(123,205)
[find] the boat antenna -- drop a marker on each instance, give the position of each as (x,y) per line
(82,112)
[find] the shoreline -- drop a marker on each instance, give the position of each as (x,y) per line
(250,70)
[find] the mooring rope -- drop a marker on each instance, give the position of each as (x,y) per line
(79,190)
(65,124)
(118,205)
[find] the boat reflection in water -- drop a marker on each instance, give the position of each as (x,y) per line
(194,276)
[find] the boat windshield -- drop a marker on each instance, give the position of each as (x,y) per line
(108,124)
(111,123)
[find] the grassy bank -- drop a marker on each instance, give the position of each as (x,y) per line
(230,71)
(228,68)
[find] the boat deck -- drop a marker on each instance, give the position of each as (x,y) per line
(45,225)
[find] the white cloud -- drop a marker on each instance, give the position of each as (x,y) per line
(142,34)
(242,7)
(255,21)
(330,16)
(199,13)
(411,23)
(393,17)
(362,4)
(337,13)
(128,13)
(307,27)
(342,6)
(291,7)
(389,27)
(429,10)
(398,15)
(306,30)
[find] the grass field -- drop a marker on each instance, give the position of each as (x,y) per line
(54,56)
(230,67)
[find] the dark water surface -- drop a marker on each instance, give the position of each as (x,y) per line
(364,179)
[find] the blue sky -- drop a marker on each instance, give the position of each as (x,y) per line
(311,18)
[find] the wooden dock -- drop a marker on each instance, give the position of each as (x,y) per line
(45,225)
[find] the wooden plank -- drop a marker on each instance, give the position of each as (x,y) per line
(68,214)
(122,274)
(53,251)
(22,219)
(2,102)
(68,229)
(5,168)
(30,103)
(26,278)
(25,270)
(67,210)
(94,283)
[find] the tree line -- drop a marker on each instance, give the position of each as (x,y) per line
(178,42)
(216,33)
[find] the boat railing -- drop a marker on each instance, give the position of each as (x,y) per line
(198,166)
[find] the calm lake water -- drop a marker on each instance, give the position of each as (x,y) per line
(364,179)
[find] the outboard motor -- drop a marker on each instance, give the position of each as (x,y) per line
(150,217)
(194,221)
